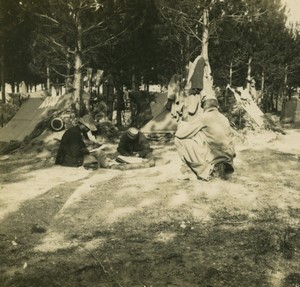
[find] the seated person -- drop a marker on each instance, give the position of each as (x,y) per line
(205,145)
(134,143)
(74,152)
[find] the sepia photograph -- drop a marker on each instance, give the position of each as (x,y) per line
(149,143)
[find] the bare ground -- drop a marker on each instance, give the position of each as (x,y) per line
(75,227)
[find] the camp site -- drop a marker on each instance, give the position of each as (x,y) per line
(149,143)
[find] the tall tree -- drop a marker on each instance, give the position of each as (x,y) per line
(70,31)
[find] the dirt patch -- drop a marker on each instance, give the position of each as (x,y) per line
(75,227)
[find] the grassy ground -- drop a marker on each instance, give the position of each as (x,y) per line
(76,227)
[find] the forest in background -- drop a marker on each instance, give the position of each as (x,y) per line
(147,41)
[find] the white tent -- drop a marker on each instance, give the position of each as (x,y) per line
(162,121)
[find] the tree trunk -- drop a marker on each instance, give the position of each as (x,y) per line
(272,102)
(205,35)
(119,105)
(207,78)
(133,80)
(48,80)
(77,83)
(262,84)
(186,57)
(2,76)
(68,78)
(230,74)
(78,67)
(285,80)
(248,85)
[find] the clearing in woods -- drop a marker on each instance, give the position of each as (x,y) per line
(75,227)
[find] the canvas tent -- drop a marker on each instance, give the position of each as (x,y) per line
(183,107)
(25,120)
(162,121)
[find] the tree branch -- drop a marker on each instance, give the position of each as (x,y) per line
(106,41)
(47,17)
(93,27)
(57,72)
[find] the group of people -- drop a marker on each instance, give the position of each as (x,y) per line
(74,151)
(204,144)
(204,138)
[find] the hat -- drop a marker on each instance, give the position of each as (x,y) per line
(209,102)
(88,121)
(132,133)
(207,96)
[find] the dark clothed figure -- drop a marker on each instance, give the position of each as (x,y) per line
(73,151)
(134,143)
(72,148)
